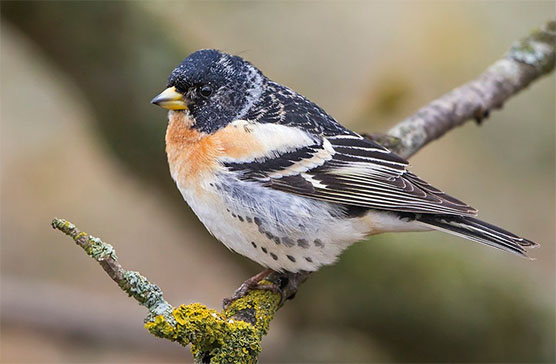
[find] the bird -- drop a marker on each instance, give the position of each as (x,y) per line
(278,180)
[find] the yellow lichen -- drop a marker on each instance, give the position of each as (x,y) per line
(80,235)
(231,336)
(161,328)
(213,336)
(264,303)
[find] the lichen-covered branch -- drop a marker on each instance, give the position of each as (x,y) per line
(234,334)
(134,284)
(231,336)
(527,60)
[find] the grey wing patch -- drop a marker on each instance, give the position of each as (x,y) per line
(352,170)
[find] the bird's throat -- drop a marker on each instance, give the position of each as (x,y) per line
(191,154)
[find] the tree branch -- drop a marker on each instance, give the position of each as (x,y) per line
(234,335)
(526,61)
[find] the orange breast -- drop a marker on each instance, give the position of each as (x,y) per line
(194,156)
(191,154)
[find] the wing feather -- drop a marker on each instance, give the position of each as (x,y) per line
(351,170)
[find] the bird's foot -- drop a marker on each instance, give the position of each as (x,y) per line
(253,284)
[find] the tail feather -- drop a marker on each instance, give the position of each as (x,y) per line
(479,231)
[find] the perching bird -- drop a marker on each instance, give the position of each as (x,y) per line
(276,179)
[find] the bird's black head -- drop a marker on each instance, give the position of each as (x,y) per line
(215,87)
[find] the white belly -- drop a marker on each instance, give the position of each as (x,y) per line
(278,230)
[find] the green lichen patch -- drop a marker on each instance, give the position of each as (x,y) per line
(64,226)
(99,250)
(147,293)
(537,49)
(93,246)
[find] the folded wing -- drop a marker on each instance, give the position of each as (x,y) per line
(351,170)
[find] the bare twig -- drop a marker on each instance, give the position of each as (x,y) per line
(234,335)
(527,60)
(135,285)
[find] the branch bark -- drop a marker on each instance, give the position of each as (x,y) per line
(526,61)
(234,334)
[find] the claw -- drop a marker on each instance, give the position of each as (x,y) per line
(253,284)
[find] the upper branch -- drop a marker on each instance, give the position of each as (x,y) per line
(527,60)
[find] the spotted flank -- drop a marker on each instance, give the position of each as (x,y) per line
(279,230)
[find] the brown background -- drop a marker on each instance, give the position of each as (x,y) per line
(79,140)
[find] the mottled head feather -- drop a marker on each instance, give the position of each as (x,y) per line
(236,85)
(241,91)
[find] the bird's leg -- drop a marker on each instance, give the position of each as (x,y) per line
(253,284)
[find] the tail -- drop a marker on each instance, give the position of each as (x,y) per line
(479,231)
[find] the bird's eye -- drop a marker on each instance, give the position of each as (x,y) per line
(206,90)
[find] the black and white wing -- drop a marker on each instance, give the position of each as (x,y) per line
(349,169)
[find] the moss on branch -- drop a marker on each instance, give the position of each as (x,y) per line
(231,336)
(220,337)
(538,49)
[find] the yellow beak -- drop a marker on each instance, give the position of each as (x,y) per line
(170,99)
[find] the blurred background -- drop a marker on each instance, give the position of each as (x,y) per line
(80,140)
